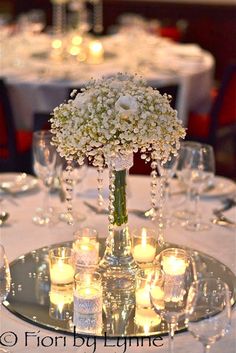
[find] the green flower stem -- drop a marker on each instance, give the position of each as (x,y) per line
(120,212)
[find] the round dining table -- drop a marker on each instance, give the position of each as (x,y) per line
(38,79)
(20,235)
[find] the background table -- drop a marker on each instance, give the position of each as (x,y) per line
(21,236)
(38,84)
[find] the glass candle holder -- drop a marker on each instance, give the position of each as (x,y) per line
(144,280)
(87,293)
(61,303)
(86,247)
(174,262)
(144,245)
(61,266)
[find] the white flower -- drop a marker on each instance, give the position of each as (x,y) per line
(126,105)
(115,115)
(82,100)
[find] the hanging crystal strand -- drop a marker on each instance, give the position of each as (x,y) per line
(153,191)
(100,199)
(59,18)
(98,17)
(111,199)
(69,193)
(160,212)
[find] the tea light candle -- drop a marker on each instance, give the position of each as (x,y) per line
(174,269)
(96,52)
(144,252)
(142,296)
(62,273)
(174,266)
(146,318)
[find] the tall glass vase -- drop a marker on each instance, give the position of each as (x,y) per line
(118,267)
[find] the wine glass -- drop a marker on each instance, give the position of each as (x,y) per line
(208,310)
(44,159)
(170,303)
(5,281)
(36,21)
(199,170)
(185,149)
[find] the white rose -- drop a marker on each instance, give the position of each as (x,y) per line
(126,105)
(82,100)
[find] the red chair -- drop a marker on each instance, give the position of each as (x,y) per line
(218,128)
(15,145)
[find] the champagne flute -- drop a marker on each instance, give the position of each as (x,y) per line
(208,310)
(170,304)
(45,157)
(5,281)
(199,170)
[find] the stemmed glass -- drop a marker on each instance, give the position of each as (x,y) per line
(5,281)
(44,159)
(36,21)
(198,171)
(178,274)
(208,310)
(185,150)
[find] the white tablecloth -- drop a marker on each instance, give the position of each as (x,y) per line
(38,84)
(21,235)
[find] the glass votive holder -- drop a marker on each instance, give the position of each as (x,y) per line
(144,245)
(86,247)
(61,266)
(174,263)
(144,279)
(61,303)
(87,293)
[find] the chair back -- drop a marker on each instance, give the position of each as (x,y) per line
(41,121)
(8,148)
(223,113)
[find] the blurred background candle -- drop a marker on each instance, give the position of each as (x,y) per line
(144,245)
(61,265)
(95,52)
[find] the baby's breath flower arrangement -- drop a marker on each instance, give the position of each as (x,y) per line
(112,116)
(106,123)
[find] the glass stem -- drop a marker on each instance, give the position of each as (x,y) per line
(196,206)
(45,200)
(171,337)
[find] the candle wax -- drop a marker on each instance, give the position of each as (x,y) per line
(62,273)
(144,253)
(174,266)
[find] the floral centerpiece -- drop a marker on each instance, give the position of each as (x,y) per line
(107,122)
